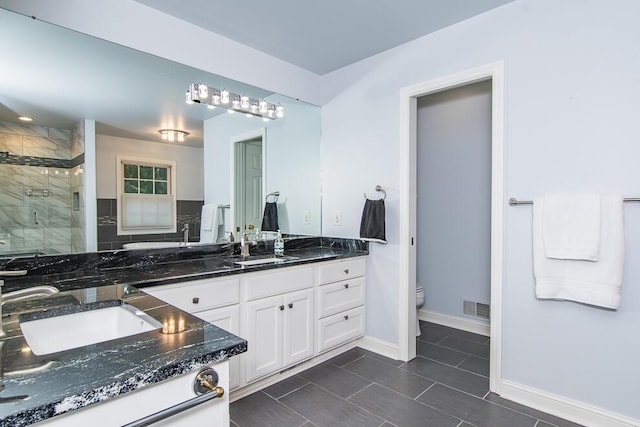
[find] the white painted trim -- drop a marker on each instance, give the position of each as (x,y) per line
(565,408)
(408,191)
(462,323)
(90,186)
(383,348)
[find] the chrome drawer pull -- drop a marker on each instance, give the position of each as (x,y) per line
(281,307)
(346,317)
(195,300)
(346,271)
(290,305)
(346,286)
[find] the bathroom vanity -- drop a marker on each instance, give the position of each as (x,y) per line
(288,312)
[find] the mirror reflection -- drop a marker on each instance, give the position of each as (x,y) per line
(91,171)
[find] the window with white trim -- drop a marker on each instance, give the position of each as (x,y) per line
(146,196)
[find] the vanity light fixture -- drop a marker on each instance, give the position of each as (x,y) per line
(173,134)
(200,93)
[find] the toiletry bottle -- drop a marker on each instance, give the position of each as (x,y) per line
(278,245)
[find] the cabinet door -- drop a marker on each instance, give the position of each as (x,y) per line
(227,318)
(263,332)
(298,326)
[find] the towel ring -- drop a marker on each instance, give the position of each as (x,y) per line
(275,196)
(379,189)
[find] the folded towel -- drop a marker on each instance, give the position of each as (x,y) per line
(571,226)
(372,226)
(595,283)
(270,217)
(211,219)
(208,211)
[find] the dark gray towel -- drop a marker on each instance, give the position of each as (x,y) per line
(270,218)
(372,226)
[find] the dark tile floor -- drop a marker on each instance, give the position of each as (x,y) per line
(446,385)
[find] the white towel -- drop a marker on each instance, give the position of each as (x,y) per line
(210,222)
(594,283)
(571,226)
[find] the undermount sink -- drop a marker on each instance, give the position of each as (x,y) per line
(64,332)
(271,260)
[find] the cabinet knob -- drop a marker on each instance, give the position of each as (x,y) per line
(346,286)
(346,317)
(195,300)
(346,271)
(290,305)
(281,307)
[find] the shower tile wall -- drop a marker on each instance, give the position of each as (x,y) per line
(38,222)
(188,213)
(78,239)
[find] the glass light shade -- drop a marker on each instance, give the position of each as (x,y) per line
(254,108)
(215,98)
(263,106)
(279,111)
(244,102)
(224,96)
(188,97)
(236,102)
(203,91)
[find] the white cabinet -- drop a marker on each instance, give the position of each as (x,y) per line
(213,300)
(341,299)
(140,403)
(278,319)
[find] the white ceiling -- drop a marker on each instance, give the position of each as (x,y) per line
(322,36)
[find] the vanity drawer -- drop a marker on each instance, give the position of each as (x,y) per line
(266,284)
(341,270)
(199,295)
(340,328)
(336,297)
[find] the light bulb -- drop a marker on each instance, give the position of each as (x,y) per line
(224,96)
(272,112)
(244,102)
(254,107)
(215,97)
(203,91)
(279,111)
(195,92)
(188,98)
(180,137)
(263,106)
(163,134)
(236,102)
(171,136)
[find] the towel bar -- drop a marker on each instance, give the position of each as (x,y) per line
(275,196)
(380,189)
(515,202)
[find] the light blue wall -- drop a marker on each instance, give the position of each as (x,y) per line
(571,125)
(454,197)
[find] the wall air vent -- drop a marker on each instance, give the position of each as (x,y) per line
(476,309)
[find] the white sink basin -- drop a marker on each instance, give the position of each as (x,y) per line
(59,333)
(264,261)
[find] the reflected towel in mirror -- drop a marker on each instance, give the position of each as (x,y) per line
(270,217)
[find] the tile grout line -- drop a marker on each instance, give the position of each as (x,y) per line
(288,393)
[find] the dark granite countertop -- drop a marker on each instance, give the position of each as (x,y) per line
(63,381)
(35,388)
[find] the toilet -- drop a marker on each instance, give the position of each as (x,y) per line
(419,303)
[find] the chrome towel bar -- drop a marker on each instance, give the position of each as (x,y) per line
(515,202)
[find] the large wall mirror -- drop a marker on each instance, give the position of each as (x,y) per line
(94,103)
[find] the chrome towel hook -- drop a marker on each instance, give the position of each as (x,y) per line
(379,189)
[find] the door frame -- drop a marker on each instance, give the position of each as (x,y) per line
(235,149)
(408,209)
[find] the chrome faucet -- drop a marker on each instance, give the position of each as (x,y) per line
(245,243)
(185,234)
(21,294)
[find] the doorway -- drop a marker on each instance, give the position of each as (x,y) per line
(248,181)
(408,207)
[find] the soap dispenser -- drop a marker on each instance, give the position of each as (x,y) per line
(278,245)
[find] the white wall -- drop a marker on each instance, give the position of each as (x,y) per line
(572,92)
(189,173)
(138,26)
(454,197)
(292,161)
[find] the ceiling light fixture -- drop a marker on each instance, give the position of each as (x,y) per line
(25,119)
(172,135)
(200,93)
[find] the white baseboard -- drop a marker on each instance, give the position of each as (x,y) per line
(462,323)
(562,407)
(379,346)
